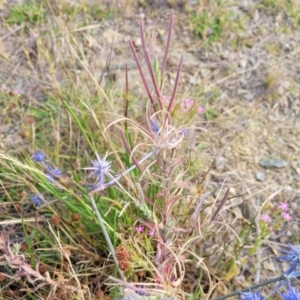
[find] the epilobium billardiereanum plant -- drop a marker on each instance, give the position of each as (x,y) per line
(168,221)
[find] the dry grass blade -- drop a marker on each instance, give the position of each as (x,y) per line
(215,214)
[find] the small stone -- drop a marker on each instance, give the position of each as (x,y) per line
(142,16)
(284,240)
(243,63)
(194,80)
(237,211)
(220,163)
(268,265)
(137,42)
(260,176)
(240,70)
(249,96)
(295,227)
(256,16)
(162,32)
(294,205)
(126,38)
(205,73)
(273,163)
(245,5)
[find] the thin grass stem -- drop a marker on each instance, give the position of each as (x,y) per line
(106,236)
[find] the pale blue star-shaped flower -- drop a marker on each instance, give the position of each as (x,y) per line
(291,294)
(100,168)
(292,256)
(36,200)
(53,173)
(38,156)
(251,296)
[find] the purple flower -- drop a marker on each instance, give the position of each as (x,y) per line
(166,100)
(151,233)
(139,228)
(154,126)
(287,216)
(184,131)
(200,110)
(36,200)
(284,206)
(292,256)
(187,104)
(291,294)
(265,217)
(251,296)
(38,156)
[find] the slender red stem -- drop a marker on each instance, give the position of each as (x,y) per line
(221,205)
(164,62)
(174,89)
(142,75)
(149,66)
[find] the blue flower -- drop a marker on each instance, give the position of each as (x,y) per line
(36,200)
(292,257)
(53,173)
(38,156)
(251,296)
(101,168)
(184,131)
(291,294)
(154,126)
